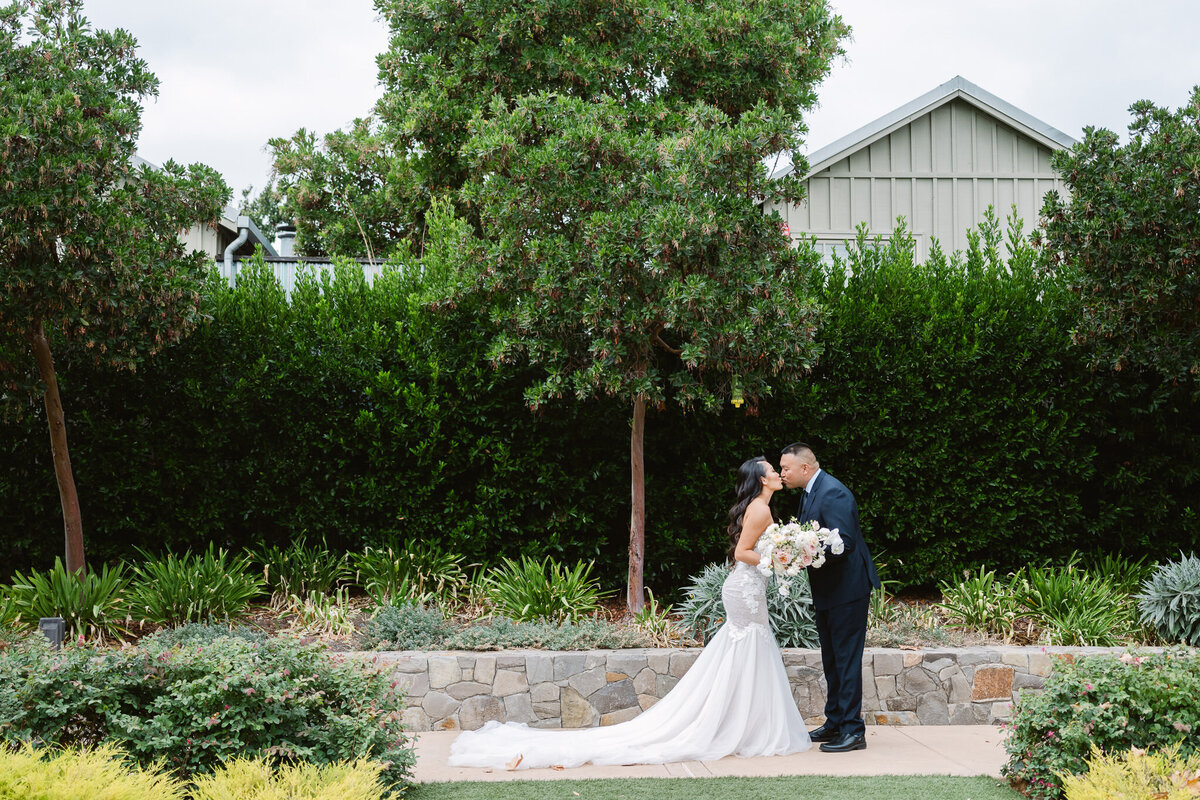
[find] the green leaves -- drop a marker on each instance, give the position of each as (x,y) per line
(93,606)
(208,587)
(1170,600)
(545,590)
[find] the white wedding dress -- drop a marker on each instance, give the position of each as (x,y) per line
(735,700)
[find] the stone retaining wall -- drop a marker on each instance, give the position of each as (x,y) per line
(463,690)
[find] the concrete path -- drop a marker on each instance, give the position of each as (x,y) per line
(963,750)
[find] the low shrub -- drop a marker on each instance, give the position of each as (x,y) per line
(1075,607)
(323,613)
(1170,600)
(262,779)
(81,774)
(792,621)
(198,634)
(172,590)
(500,633)
(197,707)
(93,606)
(408,626)
(1137,775)
(982,602)
(531,590)
(418,571)
(1113,703)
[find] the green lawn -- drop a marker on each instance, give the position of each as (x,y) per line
(808,787)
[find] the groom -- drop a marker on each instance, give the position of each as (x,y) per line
(841,591)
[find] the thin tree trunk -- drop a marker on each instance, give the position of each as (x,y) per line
(72,522)
(637,517)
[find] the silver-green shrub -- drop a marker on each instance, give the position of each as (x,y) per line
(1170,600)
(792,619)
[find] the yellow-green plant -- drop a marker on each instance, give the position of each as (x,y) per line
(80,774)
(261,779)
(1136,775)
(324,613)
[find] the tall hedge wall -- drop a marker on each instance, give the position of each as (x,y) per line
(949,398)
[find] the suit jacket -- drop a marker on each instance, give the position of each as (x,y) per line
(850,576)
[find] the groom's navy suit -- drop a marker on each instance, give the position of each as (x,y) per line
(841,591)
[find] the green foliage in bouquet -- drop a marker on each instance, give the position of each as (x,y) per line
(1114,703)
(1170,600)
(792,621)
(93,605)
(172,590)
(530,590)
(1135,774)
(29,773)
(195,708)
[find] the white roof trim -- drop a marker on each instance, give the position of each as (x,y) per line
(955,88)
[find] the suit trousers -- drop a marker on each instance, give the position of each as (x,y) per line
(842,631)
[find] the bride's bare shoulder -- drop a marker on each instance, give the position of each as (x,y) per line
(758,511)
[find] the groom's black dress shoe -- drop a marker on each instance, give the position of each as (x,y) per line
(845,743)
(823,734)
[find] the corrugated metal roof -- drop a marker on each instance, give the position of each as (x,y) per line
(956,87)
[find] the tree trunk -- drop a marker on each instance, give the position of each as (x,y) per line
(72,522)
(637,517)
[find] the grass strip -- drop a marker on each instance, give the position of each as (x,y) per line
(809,787)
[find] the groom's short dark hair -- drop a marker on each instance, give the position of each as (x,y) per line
(797,449)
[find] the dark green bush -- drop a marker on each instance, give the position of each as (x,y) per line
(949,398)
(194,707)
(1115,703)
(93,606)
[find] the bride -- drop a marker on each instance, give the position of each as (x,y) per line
(735,699)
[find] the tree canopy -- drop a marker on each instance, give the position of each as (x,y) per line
(1128,241)
(90,254)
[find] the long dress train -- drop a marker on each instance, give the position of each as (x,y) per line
(735,700)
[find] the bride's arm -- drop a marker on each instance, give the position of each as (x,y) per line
(754,522)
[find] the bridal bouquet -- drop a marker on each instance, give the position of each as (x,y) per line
(786,548)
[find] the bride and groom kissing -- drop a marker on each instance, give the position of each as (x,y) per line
(736,698)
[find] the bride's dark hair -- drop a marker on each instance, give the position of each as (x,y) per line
(749,486)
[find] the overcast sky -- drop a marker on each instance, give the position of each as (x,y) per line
(235,73)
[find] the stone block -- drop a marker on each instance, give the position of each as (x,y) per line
(968,713)
(568,664)
(646,700)
(617,717)
(509,682)
(659,660)
(932,710)
(992,683)
(1040,665)
(959,689)
(414,719)
(414,685)
(478,711)
(664,684)
(539,668)
(587,683)
(443,671)
(595,660)
(946,674)
(544,692)
(936,662)
(468,674)
(439,705)
(894,718)
(518,708)
(912,658)
(464,689)
(576,711)
(917,681)
(510,661)
(904,702)
(643,683)
(868,684)
(554,723)
(885,687)
(485,669)
(974,656)
(630,662)
(466,662)
(888,664)
(800,673)
(1000,712)
(1022,680)
(613,677)
(408,664)
(547,710)
(1017,659)
(614,696)
(682,661)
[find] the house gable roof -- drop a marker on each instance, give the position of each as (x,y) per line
(957,88)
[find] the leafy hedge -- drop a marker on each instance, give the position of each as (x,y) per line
(195,707)
(948,397)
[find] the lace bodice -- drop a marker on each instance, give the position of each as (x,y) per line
(745,596)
